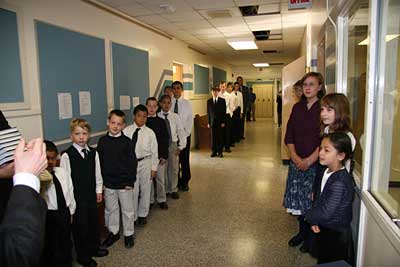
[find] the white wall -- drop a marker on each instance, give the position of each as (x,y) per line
(82,17)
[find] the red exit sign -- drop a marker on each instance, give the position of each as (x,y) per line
(295,4)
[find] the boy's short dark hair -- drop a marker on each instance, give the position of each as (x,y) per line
(50,146)
(138,108)
(236,83)
(164,97)
(167,87)
(152,98)
(215,88)
(118,113)
(177,83)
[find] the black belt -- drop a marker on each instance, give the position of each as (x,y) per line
(140,159)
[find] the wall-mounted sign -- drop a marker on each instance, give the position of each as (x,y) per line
(295,4)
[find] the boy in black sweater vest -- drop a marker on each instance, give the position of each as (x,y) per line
(118,167)
(83,165)
(159,127)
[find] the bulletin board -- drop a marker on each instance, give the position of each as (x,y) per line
(201,80)
(10,64)
(219,75)
(70,62)
(130,75)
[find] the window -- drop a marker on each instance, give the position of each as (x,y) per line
(356,74)
(385,181)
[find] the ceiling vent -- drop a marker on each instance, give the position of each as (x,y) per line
(249,10)
(261,35)
(219,14)
(270,51)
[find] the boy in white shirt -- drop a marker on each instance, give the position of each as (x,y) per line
(144,142)
(238,113)
(228,116)
(177,143)
(59,196)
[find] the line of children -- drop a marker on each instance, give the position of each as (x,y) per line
(326,209)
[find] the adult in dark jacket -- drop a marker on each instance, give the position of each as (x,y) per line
(216,110)
(6,173)
(22,229)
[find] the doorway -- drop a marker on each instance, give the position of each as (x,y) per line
(264,97)
(177,72)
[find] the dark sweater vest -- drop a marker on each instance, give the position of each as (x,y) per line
(83,174)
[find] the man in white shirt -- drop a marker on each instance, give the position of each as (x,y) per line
(234,104)
(146,149)
(184,109)
(22,228)
(229,112)
(177,143)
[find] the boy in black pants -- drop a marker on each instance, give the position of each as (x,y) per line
(118,167)
(61,205)
(216,110)
(83,165)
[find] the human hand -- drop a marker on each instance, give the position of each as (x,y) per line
(128,187)
(177,152)
(208,125)
(7,170)
(162,161)
(315,229)
(222,125)
(99,197)
(153,174)
(303,165)
(33,160)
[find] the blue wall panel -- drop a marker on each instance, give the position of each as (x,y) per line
(201,79)
(10,66)
(218,76)
(70,62)
(131,75)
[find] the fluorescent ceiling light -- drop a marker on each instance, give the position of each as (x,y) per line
(245,44)
(389,38)
(260,65)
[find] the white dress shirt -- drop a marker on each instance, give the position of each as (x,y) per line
(185,112)
(146,145)
(67,188)
(65,164)
(239,96)
(234,101)
(177,131)
(228,101)
(27,179)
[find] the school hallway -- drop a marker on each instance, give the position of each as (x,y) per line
(232,215)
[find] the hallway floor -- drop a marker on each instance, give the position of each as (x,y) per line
(232,215)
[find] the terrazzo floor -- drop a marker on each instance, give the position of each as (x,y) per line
(232,215)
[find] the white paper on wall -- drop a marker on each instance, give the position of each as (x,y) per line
(124,102)
(85,105)
(64,106)
(135,101)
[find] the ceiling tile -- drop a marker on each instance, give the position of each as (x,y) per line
(177,5)
(238,35)
(262,27)
(235,21)
(152,19)
(228,29)
(134,10)
(205,31)
(234,11)
(255,2)
(194,24)
(269,8)
(182,16)
(206,4)
(263,19)
(115,3)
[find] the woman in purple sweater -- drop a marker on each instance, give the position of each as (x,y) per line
(303,140)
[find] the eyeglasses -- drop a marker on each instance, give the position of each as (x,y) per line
(309,84)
